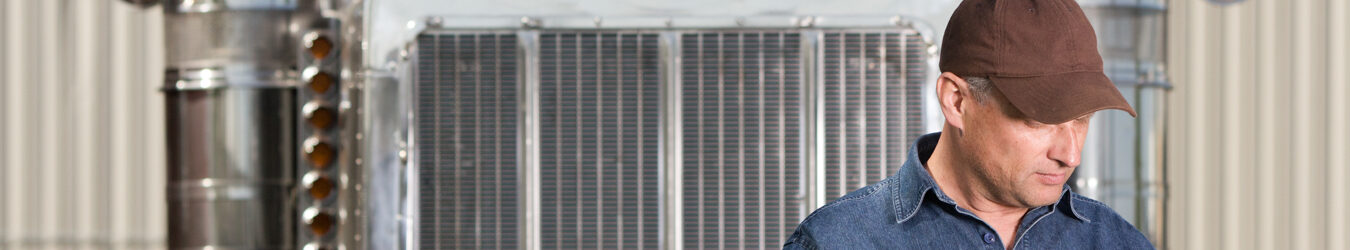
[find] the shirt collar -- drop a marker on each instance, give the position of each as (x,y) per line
(914,182)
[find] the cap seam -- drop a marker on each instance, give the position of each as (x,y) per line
(1073,43)
(1001,40)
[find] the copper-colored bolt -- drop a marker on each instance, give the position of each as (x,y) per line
(320,82)
(320,188)
(322,117)
(319,47)
(320,154)
(321,223)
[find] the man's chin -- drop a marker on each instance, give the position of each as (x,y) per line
(1044,197)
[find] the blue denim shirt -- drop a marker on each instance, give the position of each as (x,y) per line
(908,211)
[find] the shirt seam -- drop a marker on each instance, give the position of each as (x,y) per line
(872,190)
(801,239)
(1074,209)
(1024,233)
(915,208)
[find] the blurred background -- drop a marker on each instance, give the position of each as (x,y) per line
(1242,142)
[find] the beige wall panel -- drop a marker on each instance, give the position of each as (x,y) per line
(81,137)
(1257,147)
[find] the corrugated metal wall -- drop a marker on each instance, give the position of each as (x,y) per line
(82,144)
(1257,141)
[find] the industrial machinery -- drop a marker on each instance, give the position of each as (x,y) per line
(424,124)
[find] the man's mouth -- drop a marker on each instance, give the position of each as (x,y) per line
(1052,178)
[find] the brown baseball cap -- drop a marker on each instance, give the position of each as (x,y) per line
(1041,54)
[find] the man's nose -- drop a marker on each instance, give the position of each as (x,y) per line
(1067,149)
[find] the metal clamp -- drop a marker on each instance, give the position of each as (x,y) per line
(227,76)
(204,6)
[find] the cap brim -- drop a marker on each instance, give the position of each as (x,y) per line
(1055,99)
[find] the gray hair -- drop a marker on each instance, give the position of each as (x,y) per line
(981,88)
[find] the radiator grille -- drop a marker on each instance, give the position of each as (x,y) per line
(600,125)
(742,116)
(600,133)
(466,137)
(873,88)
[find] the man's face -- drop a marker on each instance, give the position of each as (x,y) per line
(1019,161)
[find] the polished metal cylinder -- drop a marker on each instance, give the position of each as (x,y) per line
(260,38)
(231,113)
(230,168)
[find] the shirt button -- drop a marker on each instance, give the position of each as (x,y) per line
(988,238)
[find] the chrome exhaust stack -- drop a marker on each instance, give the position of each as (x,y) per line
(253,91)
(230,97)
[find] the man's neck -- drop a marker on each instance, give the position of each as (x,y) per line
(960,184)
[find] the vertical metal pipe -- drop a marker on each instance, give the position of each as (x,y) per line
(230,108)
(229,169)
(1150,181)
(814,120)
(529,151)
(672,142)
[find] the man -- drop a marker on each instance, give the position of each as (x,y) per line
(1021,79)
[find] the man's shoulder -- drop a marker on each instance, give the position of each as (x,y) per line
(1108,224)
(866,203)
(1094,210)
(865,209)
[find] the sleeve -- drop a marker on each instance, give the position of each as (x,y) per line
(800,240)
(1136,239)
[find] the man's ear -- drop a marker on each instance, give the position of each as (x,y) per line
(953,94)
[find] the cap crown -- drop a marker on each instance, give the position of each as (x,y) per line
(1019,38)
